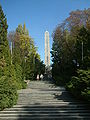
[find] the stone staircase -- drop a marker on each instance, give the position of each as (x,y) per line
(43,100)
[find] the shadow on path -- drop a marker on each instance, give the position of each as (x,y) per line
(62,106)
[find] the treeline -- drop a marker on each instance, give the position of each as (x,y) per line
(19,61)
(71,53)
(24,54)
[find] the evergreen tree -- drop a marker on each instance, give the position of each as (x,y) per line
(25,31)
(71,53)
(8,90)
(4,46)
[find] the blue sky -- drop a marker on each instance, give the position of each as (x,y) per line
(39,16)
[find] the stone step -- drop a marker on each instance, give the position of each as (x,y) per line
(26,108)
(43,101)
(47,89)
(48,99)
(58,95)
(44,114)
(37,103)
(55,111)
(51,102)
(51,106)
(46,118)
(42,92)
(45,97)
(58,102)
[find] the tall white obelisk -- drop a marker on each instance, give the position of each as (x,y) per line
(47,50)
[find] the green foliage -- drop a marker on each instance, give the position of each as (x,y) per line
(83,36)
(19,29)
(8,92)
(39,68)
(62,55)
(18,74)
(31,63)
(26,53)
(24,56)
(4,47)
(8,85)
(22,30)
(34,66)
(21,64)
(29,67)
(24,85)
(80,84)
(71,51)
(86,94)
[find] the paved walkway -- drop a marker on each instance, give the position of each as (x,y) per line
(42,100)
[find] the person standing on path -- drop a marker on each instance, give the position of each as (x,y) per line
(41,76)
(38,77)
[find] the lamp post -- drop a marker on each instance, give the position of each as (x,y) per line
(11,52)
(82,51)
(25,67)
(33,65)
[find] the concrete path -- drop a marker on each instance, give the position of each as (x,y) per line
(43,100)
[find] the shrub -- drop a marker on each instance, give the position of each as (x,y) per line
(86,94)
(24,85)
(80,84)
(8,92)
